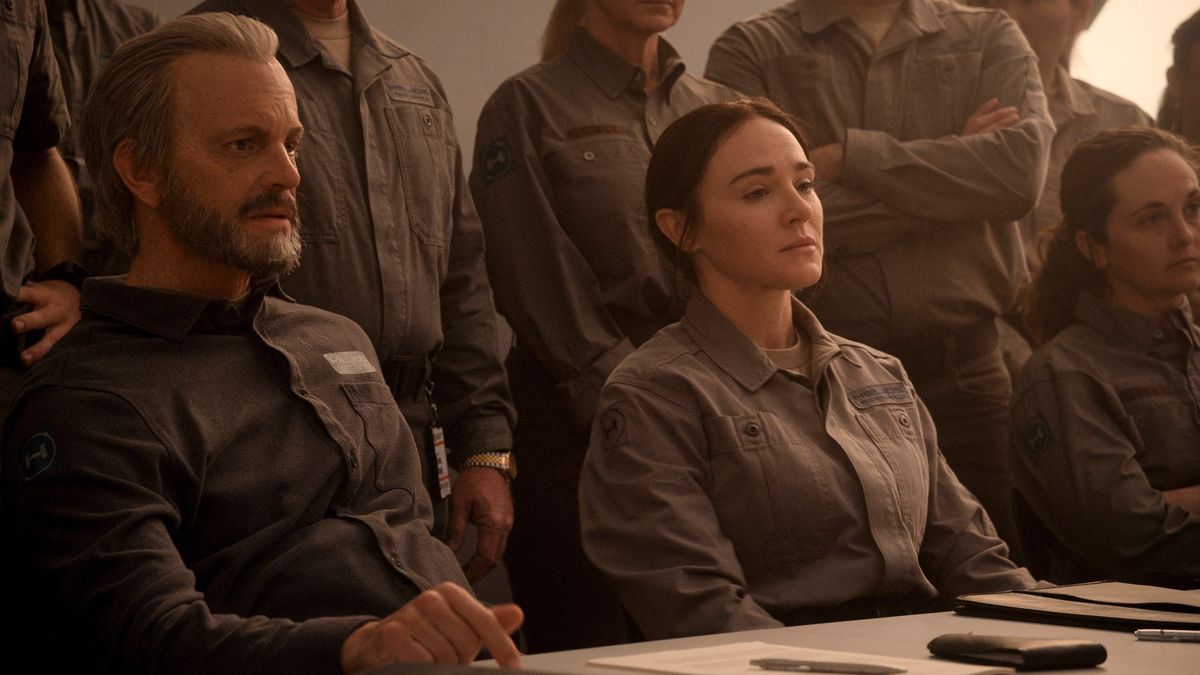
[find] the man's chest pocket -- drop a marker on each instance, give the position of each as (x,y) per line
(598,183)
(770,491)
(938,94)
(425,159)
(386,433)
(814,87)
(323,188)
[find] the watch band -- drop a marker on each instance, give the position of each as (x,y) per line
(504,462)
(69,271)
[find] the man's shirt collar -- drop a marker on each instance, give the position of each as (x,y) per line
(170,314)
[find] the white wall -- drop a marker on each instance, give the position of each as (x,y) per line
(1128,48)
(474,44)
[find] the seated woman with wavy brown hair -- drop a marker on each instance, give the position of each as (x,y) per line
(1106,451)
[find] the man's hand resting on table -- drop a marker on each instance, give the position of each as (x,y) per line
(445,624)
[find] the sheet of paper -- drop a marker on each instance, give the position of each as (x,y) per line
(734,659)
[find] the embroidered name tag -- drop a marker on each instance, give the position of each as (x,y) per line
(597,130)
(879,394)
(350,363)
(411,93)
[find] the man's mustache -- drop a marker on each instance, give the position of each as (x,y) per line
(271,200)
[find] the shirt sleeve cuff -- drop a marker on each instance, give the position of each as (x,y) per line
(316,646)
(860,155)
(478,435)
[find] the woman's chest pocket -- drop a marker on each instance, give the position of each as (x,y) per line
(1167,436)
(598,184)
(770,490)
(426,160)
(895,466)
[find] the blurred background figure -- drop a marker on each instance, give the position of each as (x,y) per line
(1106,417)
(1180,108)
(560,162)
(1079,110)
(85,34)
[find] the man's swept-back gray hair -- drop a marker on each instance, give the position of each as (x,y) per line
(131,99)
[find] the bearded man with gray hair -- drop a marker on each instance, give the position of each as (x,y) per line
(234,488)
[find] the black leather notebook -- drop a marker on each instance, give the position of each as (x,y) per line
(1106,604)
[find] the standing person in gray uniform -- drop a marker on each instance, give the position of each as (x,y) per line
(85,34)
(393,242)
(1080,110)
(40,247)
(561,158)
(931,136)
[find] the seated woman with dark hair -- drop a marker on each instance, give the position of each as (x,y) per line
(1106,416)
(748,469)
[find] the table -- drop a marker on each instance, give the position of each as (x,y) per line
(904,636)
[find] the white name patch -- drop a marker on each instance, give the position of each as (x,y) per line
(350,363)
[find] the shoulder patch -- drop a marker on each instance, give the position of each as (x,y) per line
(880,394)
(497,159)
(612,425)
(1037,436)
(38,455)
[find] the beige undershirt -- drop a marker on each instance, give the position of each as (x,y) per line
(873,20)
(333,34)
(794,358)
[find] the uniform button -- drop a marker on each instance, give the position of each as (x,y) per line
(304,392)
(589,155)
(353,460)
(427,119)
(904,421)
(1158,334)
(752,429)
(396,560)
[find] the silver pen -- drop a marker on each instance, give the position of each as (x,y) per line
(1167,635)
(798,666)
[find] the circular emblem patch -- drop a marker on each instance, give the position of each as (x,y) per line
(497,160)
(612,425)
(38,456)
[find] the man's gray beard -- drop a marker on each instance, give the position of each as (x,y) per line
(206,233)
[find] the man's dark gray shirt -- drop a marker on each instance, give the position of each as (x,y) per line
(203,488)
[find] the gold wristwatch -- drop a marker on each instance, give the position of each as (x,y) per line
(504,462)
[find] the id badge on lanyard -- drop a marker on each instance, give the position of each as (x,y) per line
(443,462)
